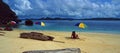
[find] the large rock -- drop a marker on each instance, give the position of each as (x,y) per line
(37,36)
(29,22)
(67,50)
(8,29)
(6,14)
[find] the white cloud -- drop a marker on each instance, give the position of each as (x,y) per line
(18,12)
(77,8)
(23,4)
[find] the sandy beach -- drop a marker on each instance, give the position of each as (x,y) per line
(88,43)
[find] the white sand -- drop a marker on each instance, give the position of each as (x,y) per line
(88,42)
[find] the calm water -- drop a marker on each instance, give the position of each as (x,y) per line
(67,25)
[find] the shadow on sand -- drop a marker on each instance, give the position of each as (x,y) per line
(58,41)
(2,33)
(68,38)
(82,39)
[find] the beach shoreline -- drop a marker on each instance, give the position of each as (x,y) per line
(88,43)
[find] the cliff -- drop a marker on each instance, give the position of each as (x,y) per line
(6,14)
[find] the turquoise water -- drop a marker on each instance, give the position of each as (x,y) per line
(67,25)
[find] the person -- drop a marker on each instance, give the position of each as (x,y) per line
(74,35)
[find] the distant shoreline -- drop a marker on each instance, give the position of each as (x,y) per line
(106,19)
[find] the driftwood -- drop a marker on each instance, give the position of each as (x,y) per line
(37,36)
(67,50)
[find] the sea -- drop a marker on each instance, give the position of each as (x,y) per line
(94,26)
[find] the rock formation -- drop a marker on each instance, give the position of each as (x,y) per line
(6,14)
(29,22)
(37,36)
(67,50)
(8,29)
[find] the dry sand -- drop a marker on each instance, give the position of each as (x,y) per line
(88,43)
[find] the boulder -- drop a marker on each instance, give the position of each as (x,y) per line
(8,29)
(24,35)
(29,22)
(37,36)
(66,50)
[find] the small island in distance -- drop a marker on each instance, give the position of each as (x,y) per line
(59,18)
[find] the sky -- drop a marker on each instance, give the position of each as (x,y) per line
(66,8)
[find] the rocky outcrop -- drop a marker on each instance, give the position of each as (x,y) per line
(8,29)
(37,36)
(67,50)
(29,22)
(6,14)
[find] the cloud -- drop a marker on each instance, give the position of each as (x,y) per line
(23,4)
(71,8)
